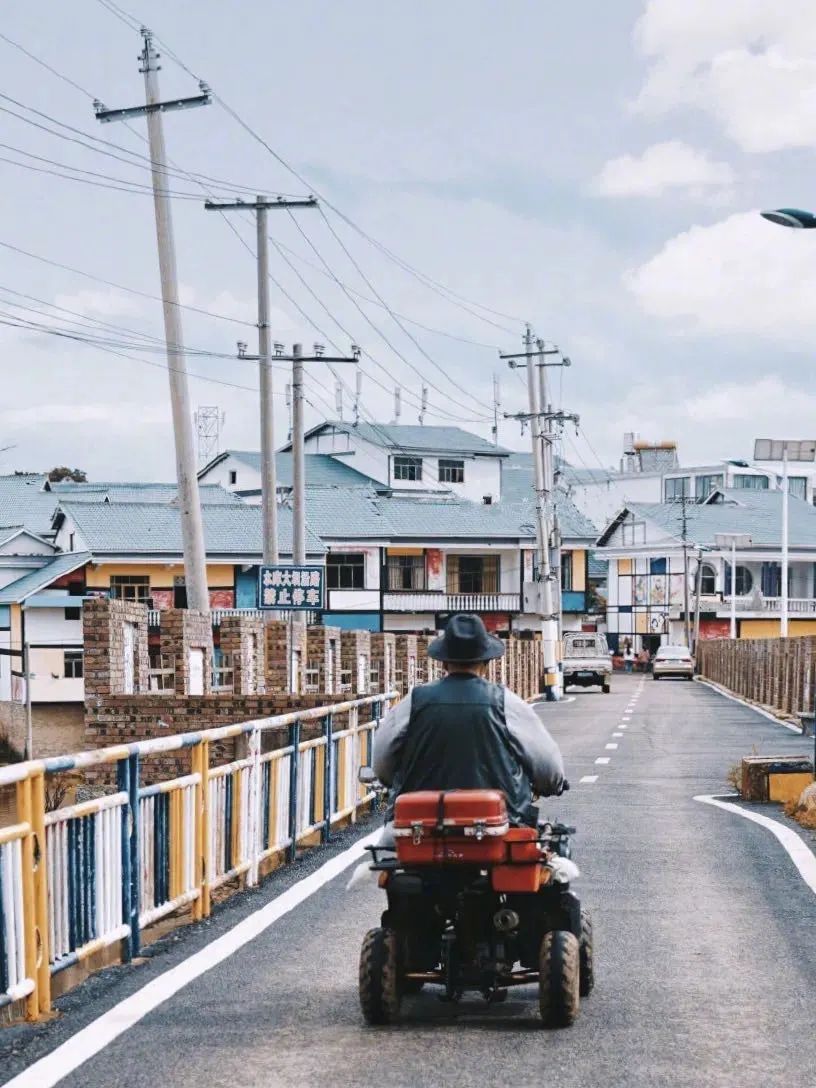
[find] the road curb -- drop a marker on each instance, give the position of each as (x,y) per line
(751,706)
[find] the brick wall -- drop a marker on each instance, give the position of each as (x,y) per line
(355,662)
(184,633)
(383,654)
(322,658)
(405,662)
(106,637)
(242,637)
(285,651)
(428,670)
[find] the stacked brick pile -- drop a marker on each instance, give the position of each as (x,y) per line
(405,658)
(183,630)
(323,658)
(104,639)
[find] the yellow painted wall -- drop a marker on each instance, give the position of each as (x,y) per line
(625,566)
(16,626)
(579,570)
(98,576)
(771,628)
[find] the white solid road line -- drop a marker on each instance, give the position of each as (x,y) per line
(611,747)
(602,760)
(588,779)
(75,1051)
(797,851)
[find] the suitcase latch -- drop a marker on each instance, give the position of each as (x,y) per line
(416,833)
(479,830)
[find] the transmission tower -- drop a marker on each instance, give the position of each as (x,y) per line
(208,428)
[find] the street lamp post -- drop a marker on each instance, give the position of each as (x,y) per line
(768,449)
(733,541)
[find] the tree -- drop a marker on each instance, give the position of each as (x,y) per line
(62,472)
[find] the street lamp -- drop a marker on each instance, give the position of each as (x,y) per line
(791,217)
(733,541)
(767,449)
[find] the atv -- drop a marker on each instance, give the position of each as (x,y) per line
(475,905)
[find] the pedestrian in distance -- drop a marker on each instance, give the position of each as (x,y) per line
(628,657)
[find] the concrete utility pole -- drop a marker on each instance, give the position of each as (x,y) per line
(687,617)
(269,485)
(192,531)
(297,359)
(543,490)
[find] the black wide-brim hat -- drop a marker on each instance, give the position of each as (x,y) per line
(465,642)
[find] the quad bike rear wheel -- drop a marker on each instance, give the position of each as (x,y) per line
(605,688)
(587,968)
(379,984)
(559,979)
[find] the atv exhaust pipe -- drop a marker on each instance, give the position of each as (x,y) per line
(506,920)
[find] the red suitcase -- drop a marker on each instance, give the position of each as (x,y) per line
(465,827)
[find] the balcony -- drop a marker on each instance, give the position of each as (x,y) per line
(411,601)
(797,606)
(217,614)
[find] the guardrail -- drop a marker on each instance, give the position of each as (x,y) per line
(83,877)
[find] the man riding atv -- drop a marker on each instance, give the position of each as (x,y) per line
(462,732)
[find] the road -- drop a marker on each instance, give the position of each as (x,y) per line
(705,966)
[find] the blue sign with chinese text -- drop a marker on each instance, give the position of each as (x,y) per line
(291,588)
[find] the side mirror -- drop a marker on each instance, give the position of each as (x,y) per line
(366,776)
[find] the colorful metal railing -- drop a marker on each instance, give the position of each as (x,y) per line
(89,875)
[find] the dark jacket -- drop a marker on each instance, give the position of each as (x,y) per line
(463,732)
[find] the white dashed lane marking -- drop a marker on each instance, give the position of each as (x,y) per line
(611,747)
(588,779)
(617,734)
(602,760)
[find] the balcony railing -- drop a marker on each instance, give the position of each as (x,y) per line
(800,605)
(452,602)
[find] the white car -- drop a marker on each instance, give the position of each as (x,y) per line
(673,661)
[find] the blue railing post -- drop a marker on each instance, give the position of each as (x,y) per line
(328,779)
(128,781)
(294,741)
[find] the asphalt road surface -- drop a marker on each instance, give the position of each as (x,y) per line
(705,959)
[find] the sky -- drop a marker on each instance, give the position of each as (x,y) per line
(594,169)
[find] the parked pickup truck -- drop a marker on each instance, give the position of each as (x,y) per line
(586,660)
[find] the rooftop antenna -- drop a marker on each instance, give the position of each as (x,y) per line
(358,391)
(424,407)
(208,421)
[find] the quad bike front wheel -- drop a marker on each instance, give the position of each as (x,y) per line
(379,977)
(587,969)
(559,965)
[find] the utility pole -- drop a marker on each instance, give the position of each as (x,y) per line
(698,582)
(192,531)
(269,483)
(297,359)
(684,534)
(549,471)
(543,488)
(496,409)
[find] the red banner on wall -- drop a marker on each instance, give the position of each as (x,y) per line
(715,629)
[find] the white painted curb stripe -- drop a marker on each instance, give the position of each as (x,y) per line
(750,706)
(77,1050)
(799,854)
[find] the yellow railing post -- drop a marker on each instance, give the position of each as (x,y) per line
(203,837)
(24,815)
(41,894)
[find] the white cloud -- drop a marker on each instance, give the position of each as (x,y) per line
(739,276)
(662,167)
(747,64)
(102,303)
(116,415)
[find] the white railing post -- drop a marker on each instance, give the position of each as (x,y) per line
(254,798)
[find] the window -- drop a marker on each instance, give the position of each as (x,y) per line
(451,472)
(473,574)
(71,537)
(797,486)
(345,570)
(233,476)
(73,613)
(566,571)
(676,488)
(130,587)
(407,468)
(72,664)
(704,485)
(751,483)
(405,572)
(708,581)
(745,581)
